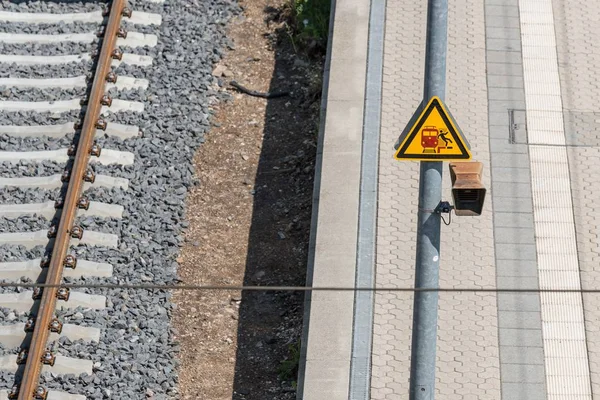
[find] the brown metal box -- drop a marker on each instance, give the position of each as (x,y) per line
(468,191)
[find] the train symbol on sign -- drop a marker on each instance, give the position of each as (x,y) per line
(430,140)
(432,134)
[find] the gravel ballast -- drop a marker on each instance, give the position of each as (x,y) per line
(136,357)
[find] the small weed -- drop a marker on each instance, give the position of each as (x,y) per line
(310,19)
(288,369)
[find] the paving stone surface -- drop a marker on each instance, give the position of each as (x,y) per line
(468,360)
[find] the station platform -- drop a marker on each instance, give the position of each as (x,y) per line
(522,83)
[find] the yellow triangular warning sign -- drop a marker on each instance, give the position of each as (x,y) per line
(434,136)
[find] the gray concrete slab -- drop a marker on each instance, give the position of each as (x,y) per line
(512,204)
(514,220)
(508,174)
(512,235)
(515,251)
(523,373)
(503,81)
(518,302)
(515,160)
(512,189)
(519,320)
(523,355)
(493,10)
(524,391)
(520,338)
(503,145)
(518,268)
(510,57)
(324,370)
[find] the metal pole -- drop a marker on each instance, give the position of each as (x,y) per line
(424,332)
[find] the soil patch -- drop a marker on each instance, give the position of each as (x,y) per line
(249,218)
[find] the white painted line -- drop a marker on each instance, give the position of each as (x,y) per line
(107,156)
(128,58)
(123,82)
(32,270)
(563,328)
(68,105)
(58,131)
(39,238)
(53,182)
(137,17)
(52,395)
(12,336)
(23,301)
(133,39)
(62,366)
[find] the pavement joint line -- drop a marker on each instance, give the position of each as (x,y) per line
(362,332)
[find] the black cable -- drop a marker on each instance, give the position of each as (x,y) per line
(264,95)
(449,218)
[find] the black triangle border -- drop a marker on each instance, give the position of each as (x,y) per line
(401,153)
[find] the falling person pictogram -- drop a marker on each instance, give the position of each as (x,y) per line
(442,135)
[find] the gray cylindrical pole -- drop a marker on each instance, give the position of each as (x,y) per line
(424,332)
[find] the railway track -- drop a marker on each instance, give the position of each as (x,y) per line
(37,323)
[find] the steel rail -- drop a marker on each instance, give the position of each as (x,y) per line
(31,375)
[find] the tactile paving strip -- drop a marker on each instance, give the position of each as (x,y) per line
(563,330)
